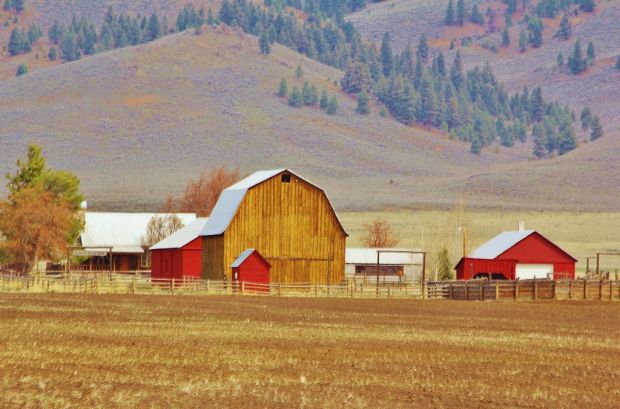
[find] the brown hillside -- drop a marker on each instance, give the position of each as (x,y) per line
(136,123)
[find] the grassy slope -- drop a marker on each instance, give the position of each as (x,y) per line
(591,170)
(137,123)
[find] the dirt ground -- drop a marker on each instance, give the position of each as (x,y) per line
(163,351)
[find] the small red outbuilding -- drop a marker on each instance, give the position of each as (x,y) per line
(251,267)
(523,254)
(179,255)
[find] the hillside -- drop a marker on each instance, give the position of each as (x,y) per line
(137,123)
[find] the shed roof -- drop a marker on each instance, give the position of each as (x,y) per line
(182,236)
(122,232)
(365,255)
(499,244)
(231,198)
(244,255)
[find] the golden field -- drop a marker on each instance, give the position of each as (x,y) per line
(169,351)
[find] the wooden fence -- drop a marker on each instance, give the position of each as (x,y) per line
(523,290)
(474,290)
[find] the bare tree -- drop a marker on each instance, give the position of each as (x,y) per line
(159,228)
(379,233)
(201,194)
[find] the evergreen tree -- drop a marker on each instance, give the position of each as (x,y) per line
(523,41)
(296,100)
(52,54)
(617,66)
(538,106)
(591,53)
(154,28)
(597,129)
(456,71)
(356,78)
(22,70)
(210,19)
(17,42)
(387,58)
(508,19)
(565,28)
(68,48)
(19,5)
(461,12)
(362,104)
(576,62)
(567,140)
(444,267)
(34,33)
(587,5)
(538,134)
(476,146)
(535,26)
(309,94)
(586,118)
(505,38)
(332,105)
(299,72)
(422,52)
(324,101)
(449,20)
(476,17)
(263,42)
(283,90)
(560,59)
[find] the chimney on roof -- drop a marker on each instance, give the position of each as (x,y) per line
(521,226)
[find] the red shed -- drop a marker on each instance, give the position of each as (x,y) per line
(251,267)
(180,254)
(523,254)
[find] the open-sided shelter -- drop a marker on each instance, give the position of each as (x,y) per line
(287,219)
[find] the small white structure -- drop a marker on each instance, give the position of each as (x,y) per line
(395,264)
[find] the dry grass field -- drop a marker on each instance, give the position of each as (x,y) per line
(163,351)
(581,234)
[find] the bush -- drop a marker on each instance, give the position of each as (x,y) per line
(22,70)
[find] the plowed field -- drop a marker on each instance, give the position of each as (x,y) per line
(163,351)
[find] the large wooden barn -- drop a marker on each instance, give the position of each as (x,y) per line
(522,254)
(288,220)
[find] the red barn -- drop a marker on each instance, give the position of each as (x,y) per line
(251,267)
(511,255)
(180,254)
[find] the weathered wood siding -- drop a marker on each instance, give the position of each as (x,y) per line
(293,227)
(213,258)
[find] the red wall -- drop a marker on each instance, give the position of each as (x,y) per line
(177,263)
(253,270)
(534,249)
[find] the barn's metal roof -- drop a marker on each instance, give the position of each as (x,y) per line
(499,244)
(365,255)
(121,231)
(242,257)
(183,236)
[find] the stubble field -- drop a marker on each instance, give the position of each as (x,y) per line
(143,351)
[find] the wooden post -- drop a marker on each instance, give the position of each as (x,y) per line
(496,290)
(516,290)
(172,287)
(570,289)
(450,290)
(242,287)
(600,289)
(611,290)
(208,286)
(598,258)
(535,289)
(423,274)
(377,271)
(555,293)
(481,290)
(466,290)
(585,289)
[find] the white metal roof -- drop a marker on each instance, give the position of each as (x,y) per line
(499,244)
(245,254)
(182,236)
(121,231)
(365,255)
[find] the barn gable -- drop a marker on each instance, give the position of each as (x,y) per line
(536,248)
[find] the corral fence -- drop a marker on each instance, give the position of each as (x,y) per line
(522,290)
(474,290)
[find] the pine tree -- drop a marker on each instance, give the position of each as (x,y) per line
(52,54)
(538,135)
(597,129)
(505,38)
(56,32)
(476,17)
(538,105)
(22,70)
(576,62)
(567,140)
(68,48)
(299,72)
(387,58)
(560,59)
(461,12)
(296,100)
(332,106)
(362,104)
(283,90)
(586,118)
(263,42)
(324,101)
(34,33)
(444,267)
(476,146)
(154,28)
(422,52)
(535,26)
(617,66)
(15,42)
(587,5)
(210,19)
(456,71)
(523,41)
(565,28)
(449,20)
(591,53)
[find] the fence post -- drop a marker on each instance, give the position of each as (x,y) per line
(450,290)
(279,290)
(555,292)
(481,290)
(172,286)
(466,291)
(585,289)
(496,290)
(516,290)
(600,289)
(535,289)
(570,289)
(611,290)
(242,287)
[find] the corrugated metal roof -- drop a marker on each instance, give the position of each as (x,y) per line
(499,244)
(183,236)
(121,231)
(365,255)
(242,257)
(230,199)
